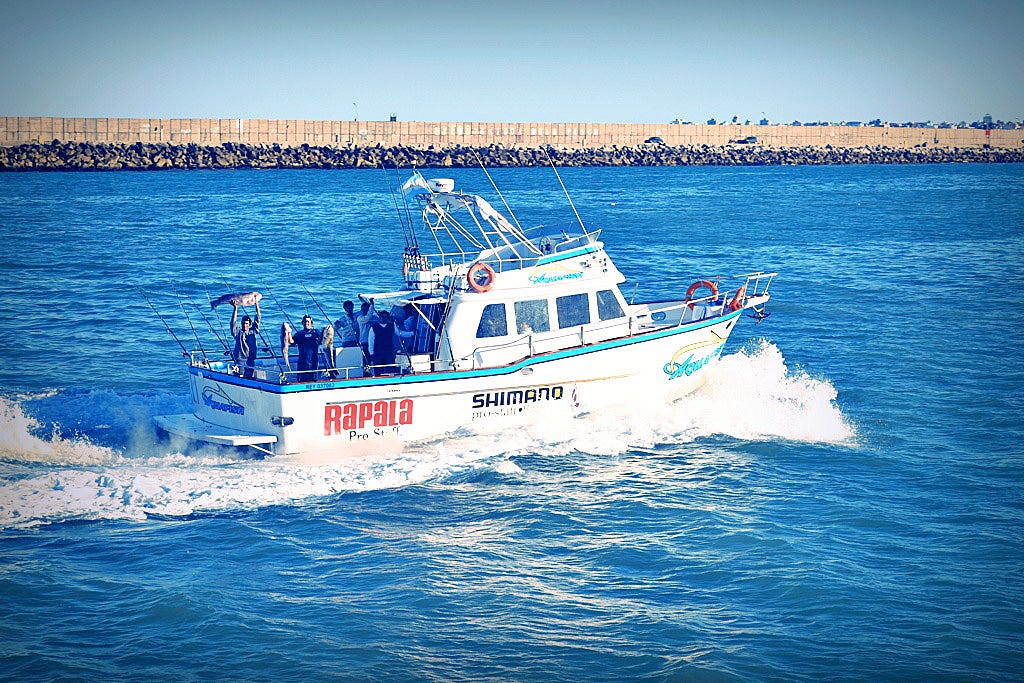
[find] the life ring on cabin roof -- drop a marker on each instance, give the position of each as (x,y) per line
(707,284)
(737,301)
(481,277)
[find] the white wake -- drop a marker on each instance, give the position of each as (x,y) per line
(751,395)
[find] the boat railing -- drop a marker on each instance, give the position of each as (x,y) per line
(540,242)
(749,287)
(271,369)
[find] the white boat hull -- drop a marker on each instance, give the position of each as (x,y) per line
(379,414)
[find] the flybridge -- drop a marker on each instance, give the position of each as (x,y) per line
(465,228)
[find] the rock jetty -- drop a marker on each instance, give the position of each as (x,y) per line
(86,156)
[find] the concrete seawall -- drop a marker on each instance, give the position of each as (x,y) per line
(20,130)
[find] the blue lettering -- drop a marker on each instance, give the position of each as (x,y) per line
(689,366)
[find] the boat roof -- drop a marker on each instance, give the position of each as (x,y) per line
(401,298)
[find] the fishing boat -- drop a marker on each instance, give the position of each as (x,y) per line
(504,324)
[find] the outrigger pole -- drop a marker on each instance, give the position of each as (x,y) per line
(507,207)
(565,191)
(184,351)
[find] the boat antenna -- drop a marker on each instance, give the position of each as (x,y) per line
(184,351)
(565,191)
(195,334)
(507,207)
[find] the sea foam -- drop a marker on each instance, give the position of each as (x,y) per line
(751,395)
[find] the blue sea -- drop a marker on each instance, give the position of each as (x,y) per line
(843,500)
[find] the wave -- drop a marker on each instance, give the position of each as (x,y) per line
(46,477)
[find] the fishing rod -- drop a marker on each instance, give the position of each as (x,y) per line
(193,327)
(210,326)
(317,304)
(406,230)
(408,214)
(330,360)
(223,329)
(184,351)
(284,347)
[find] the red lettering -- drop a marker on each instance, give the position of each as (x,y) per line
(365,414)
(380,413)
(332,420)
(349,417)
(405,411)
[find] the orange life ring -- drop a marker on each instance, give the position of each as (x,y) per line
(708,284)
(481,277)
(737,301)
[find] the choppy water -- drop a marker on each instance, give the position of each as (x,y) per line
(842,501)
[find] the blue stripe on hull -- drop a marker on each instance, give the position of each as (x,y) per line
(462,374)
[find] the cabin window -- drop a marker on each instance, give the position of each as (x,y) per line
(492,322)
(573,310)
(608,306)
(532,316)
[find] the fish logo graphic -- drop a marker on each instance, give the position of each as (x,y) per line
(215,398)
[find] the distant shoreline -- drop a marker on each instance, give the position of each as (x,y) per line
(138,156)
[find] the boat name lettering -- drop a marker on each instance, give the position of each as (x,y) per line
(218,400)
(344,417)
(516,396)
(555,274)
(689,366)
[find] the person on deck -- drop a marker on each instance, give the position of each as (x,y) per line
(308,340)
(405,329)
(346,328)
(365,319)
(246,344)
(381,344)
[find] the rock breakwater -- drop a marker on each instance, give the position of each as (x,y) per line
(85,156)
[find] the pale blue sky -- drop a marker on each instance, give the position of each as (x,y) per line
(514,60)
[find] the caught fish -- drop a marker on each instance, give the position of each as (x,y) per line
(238,298)
(286,339)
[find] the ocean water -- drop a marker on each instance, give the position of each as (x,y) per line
(844,499)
